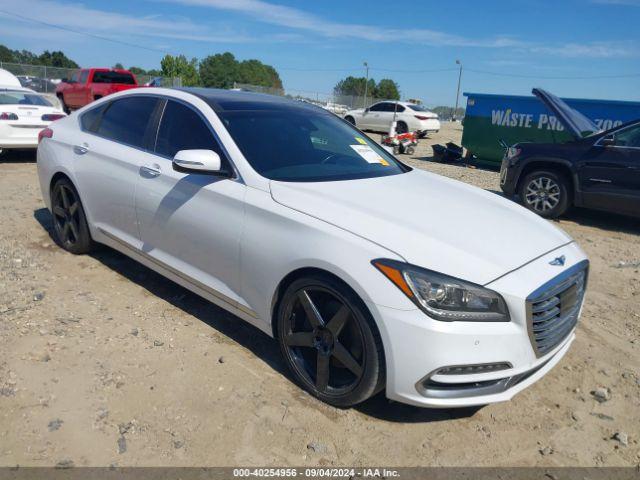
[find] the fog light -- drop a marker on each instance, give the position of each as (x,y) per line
(474,369)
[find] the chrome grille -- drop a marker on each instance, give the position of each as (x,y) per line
(553,309)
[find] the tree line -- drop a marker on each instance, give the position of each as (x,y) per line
(46,58)
(221,70)
(385,89)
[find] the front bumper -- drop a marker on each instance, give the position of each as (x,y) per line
(418,347)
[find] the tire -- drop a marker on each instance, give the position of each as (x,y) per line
(65,108)
(546,193)
(70,228)
(340,360)
(351,120)
(410,150)
(401,127)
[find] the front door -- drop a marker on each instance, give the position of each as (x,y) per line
(191,223)
(610,174)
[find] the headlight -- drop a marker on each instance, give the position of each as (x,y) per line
(513,152)
(442,297)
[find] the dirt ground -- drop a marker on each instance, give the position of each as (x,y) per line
(103,362)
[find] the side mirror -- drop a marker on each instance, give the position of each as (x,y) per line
(197,161)
(65,80)
(366,110)
(608,140)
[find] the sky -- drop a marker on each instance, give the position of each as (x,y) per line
(574,48)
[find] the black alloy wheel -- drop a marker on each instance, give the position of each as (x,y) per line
(70,227)
(329,342)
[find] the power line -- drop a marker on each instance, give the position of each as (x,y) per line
(545,77)
(79,32)
(348,69)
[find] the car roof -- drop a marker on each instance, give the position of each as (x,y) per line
(232,100)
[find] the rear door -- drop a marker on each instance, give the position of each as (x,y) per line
(109,151)
(610,175)
(191,223)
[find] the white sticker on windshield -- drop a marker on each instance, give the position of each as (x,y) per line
(366,152)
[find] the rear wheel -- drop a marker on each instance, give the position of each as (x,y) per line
(401,127)
(546,193)
(329,342)
(70,227)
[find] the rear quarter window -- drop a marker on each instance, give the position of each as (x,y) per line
(89,119)
(126,120)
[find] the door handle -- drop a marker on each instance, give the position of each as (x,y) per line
(80,149)
(153,169)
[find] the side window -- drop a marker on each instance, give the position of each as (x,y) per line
(89,119)
(126,120)
(378,107)
(75,76)
(182,128)
(399,108)
(83,76)
(629,137)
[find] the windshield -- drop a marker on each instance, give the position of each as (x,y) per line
(418,108)
(113,77)
(301,145)
(15,97)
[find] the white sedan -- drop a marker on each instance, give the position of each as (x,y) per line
(23,114)
(409,117)
(370,274)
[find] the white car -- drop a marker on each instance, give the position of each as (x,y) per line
(409,117)
(23,114)
(370,274)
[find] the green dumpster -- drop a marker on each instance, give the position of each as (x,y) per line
(513,118)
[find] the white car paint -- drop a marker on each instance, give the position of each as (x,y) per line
(233,241)
(23,131)
(379,117)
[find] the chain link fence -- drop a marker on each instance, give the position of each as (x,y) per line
(338,104)
(44,79)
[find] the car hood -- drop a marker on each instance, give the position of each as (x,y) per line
(575,122)
(430,221)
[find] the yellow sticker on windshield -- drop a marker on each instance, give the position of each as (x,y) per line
(360,140)
(384,162)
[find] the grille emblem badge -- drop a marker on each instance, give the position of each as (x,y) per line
(558,261)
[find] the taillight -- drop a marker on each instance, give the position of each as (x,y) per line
(51,117)
(8,116)
(45,133)
(421,117)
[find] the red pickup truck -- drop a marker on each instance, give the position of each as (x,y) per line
(90,84)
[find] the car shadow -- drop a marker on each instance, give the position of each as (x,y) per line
(603,220)
(382,408)
(18,156)
(236,329)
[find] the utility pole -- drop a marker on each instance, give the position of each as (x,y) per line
(455,112)
(366,84)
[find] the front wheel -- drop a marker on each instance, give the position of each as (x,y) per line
(329,341)
(545,193)
(350,119)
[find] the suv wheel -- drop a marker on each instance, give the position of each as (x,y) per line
(329,341)
(545,193)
